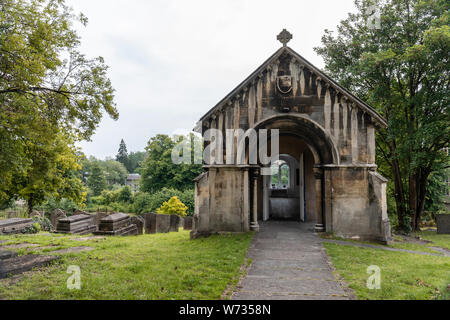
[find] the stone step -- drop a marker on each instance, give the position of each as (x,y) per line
(17,265)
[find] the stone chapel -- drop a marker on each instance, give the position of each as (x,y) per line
(325,173)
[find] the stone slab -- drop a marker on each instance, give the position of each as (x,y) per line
(20,246)
(128,230)
(56,215)
(115,217)
(6,254)
(174,223)
(150,223)
(14,225)
(22,264)
(188,221)
(75,218)
(80,231)
(99,216)
(112,225)
(139,222)
(162,223)
(443,223)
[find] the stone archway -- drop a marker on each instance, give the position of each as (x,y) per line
(308,143)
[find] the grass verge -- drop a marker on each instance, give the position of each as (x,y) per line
(152,267)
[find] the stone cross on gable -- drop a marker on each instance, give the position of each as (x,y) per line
(284,37)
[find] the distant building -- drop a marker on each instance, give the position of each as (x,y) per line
(133,181)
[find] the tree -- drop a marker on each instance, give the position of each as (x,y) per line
(125,194)
(96,179)
(115,172)
(53,172)
(49,92)
(402,70)
(158,170)
(122,154)
(135,160)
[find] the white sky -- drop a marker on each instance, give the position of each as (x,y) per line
(172,60)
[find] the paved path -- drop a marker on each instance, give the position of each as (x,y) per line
(289,263)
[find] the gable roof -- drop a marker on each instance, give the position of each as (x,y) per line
(364,106)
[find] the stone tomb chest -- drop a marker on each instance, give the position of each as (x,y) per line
(14,225)
(117,224)
(78,224)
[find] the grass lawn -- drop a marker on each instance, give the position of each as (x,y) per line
(153,267)
(403,275)
(440,240)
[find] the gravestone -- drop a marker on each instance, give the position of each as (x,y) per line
(162,223)
(443,223)
(139,222)
(36,213)
(181,224)
(7,254)
(117,224)
(99,216)
(150,223)
(56,215)
(15,265)
(188,221)
(77,224)
(14,225)
(174,223)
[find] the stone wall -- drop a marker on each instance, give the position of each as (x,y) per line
(358,205)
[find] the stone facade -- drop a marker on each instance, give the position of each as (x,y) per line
(328,132)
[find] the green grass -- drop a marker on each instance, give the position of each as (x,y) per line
(398,244)
(403,275)
(440,240)
(153,267)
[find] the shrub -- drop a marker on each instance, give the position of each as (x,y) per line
(125,195)
(44,223)
(173,206)
(110,196)
(64,204)
(146,202)
(142,201)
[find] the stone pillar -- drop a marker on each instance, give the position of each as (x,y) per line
(327,199)
(246,207)
(318,175)
(254,226)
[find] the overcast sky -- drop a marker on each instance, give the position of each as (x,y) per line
(172,60)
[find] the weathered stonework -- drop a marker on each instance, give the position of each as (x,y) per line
(150,223)
(443,223)
(56,215)
(326,134)
(14,225)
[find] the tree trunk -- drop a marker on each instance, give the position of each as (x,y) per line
(30,206)
(413,199)
(399,194)
(421,196)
